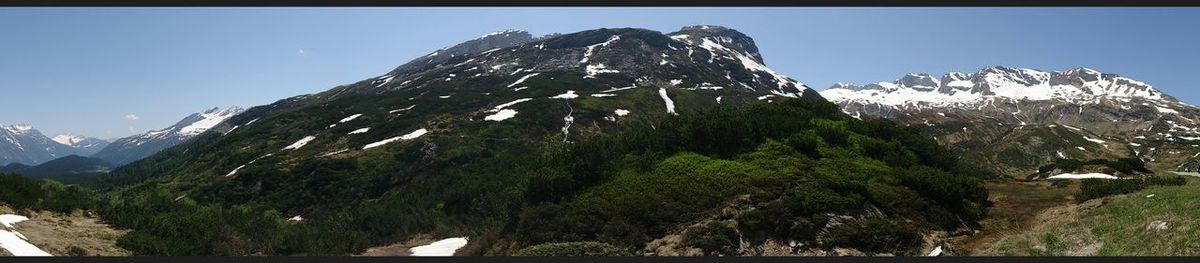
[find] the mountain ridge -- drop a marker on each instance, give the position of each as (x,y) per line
(138,146)
(23,144)
(1023,118)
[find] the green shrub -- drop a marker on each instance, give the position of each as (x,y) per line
(573,249)
(811,198)
(770,221)
(875,236)
(712,237)
(44,194)
(1097,188)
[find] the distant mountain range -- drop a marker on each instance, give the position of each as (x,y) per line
(29,147)
(22,143)
(69,169)
(136,147)
(1017,119)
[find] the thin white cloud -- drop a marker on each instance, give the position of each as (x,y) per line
(132,117)
(300,51)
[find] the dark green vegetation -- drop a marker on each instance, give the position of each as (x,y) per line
(23,193)
(1097,188)
(1125,165)
(797,159)
(517,183)
(573,249)
(70,169)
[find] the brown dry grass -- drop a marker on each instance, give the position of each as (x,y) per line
(75,234)
(1017,205)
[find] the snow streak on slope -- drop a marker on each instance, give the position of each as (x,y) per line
(667,100)
(208,120)
(300,143)
(409,136)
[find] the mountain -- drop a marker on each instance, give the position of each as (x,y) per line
(13,167)
(84,145)
(1015,120)
(69,169)
(660,144)
(136,147)
(23,144)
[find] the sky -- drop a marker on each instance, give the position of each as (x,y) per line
(114,72)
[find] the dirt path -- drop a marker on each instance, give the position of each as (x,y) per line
(1017,205)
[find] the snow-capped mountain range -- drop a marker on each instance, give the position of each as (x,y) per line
(1091,114)
(22,143)
(136,147)
(1080,85)
(87,145)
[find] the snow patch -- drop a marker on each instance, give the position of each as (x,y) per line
(587,54)
(400,110)
(506,105)
(441,248)
(936,252)
(300,143)
(522,79)
(14,242)
(662,92)
(569,95)
(350,118)
(503,114)
(409,136)
(363,130)
(592,70)
(1083,176)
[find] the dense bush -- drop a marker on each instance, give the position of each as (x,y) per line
(875,236)
(43,194)
(573,249)
(1097,188)
(820,165)
(712,237)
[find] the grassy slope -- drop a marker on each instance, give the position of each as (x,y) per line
(1113,226)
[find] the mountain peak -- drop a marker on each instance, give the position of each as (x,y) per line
(220,111)
(201,122)
(19,128)
(67,139)
(719,35)
(502,33)
(490,41)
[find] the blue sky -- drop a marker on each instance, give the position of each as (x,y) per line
(87,70)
